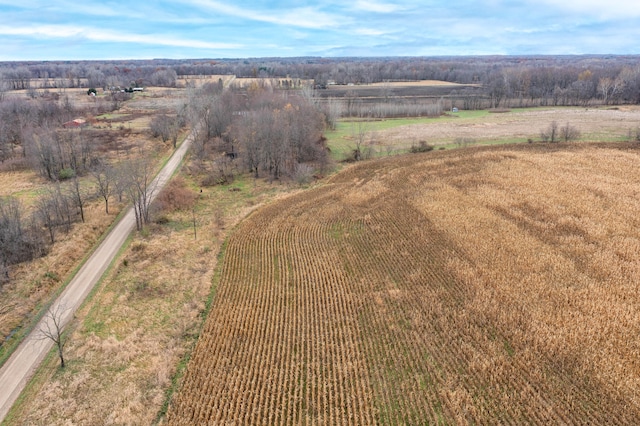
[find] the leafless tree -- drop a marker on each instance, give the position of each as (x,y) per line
(4,87)
(52,329)
(569,133)
(333,110)
(550,134)
(120,179)
(245,132)
(212,108)
(164,77)
(11,234)
(104,176)
(165,127)
(95,78)
(359,132)
(54,209)
(140,188)
(118,98)
(20,238)
(45,210)
(78,196)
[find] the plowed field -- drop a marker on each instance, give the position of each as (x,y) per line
(478,286)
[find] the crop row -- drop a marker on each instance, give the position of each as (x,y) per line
(462,288)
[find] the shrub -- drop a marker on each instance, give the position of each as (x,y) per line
(67,173)
(303,173)
(569,133)
(175,196)
(422,146)
(550,134)
(464,142)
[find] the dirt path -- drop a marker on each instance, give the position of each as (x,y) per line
(19,368)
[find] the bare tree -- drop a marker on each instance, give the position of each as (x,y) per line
(359,132)
(20,240)
(211,109)
(46,216)
(140,187)
(11,235)
(333,110)
(4,87)
(78,196)
(245,131)
(104,176)
(605,86)
(160,126)
(55,209)
(165,127)
(569,133)
(550,134)
(164,77)
(52,329)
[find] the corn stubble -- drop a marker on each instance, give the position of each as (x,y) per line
(482,286)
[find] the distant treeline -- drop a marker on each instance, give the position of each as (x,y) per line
(527,80)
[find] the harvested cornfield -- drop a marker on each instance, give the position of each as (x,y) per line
(478,286)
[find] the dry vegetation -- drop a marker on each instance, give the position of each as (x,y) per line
(127,344)
(498,286)
(482,286)
(34,283)
(595,124)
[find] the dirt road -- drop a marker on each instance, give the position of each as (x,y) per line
(19,368)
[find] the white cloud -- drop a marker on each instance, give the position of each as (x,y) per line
(93,34)
(370,32)
(375,6)
(304,17)
(597,9)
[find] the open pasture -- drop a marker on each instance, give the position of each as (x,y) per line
(518,125)
(480,286)
(482,127)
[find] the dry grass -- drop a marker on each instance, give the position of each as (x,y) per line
(34,283)
(128,341)
(481,286)
(22,183)
(421,83)
(518,125)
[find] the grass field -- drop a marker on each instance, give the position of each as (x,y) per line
(482,127)
(479,286)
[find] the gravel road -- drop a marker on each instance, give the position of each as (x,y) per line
(19,368)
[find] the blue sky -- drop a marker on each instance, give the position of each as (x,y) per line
(115,29)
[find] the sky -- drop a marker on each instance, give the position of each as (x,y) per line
(187,29)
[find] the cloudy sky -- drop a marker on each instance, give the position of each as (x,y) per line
(116,29)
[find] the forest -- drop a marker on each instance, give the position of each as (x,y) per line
(561,80)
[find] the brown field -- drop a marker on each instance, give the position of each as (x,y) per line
(594,124)
(480,286)
(402,89)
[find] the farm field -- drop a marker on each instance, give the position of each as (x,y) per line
(425,89)
(484,127)
(478,286)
